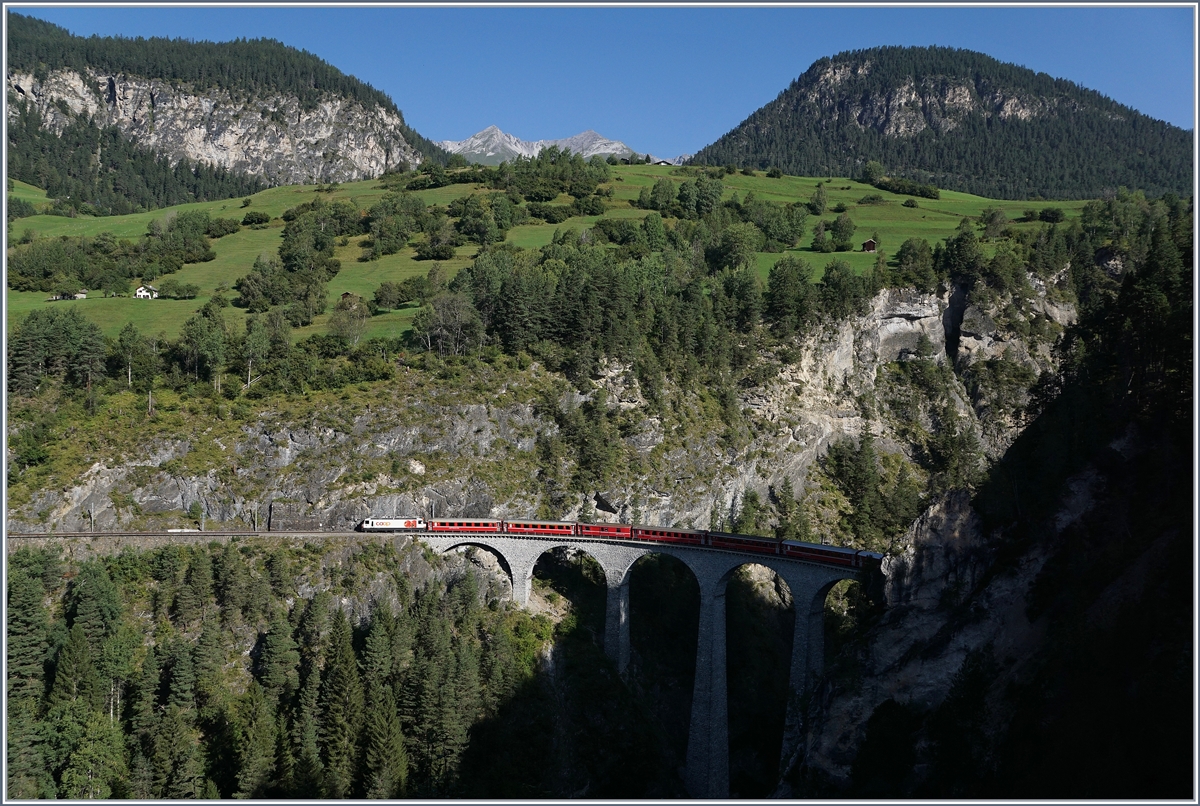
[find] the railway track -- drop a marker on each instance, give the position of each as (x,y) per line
(179,533)
(196,534)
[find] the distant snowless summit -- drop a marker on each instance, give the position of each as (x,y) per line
(492,147)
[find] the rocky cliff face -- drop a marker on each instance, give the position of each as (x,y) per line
(939,103)
(269,136)
(420,448)
(994,646)
(937,614)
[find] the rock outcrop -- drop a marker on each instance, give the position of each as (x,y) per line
(939,103)
(271,136)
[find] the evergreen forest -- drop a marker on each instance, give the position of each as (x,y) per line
(259,668)
(198,671)
(124,178)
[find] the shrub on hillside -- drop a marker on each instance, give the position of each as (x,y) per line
(908,187)
(550,213)
(220,227)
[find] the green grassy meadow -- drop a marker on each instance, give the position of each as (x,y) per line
(890,222)
(26,192)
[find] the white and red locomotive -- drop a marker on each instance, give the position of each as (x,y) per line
(835,555)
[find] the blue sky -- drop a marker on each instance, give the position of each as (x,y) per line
(667,80)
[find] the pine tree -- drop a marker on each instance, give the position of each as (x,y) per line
(141,776)
(309,771)
(145,714)
(430,691)
(385,770)
(278,569)
(182,676)
(462,708)
(232,584)
(96,764)
(27,777)
(258,598)
(200,579)
(186,607)
(74,673)
(386,761)
(283,782)
(61,731)
(378,662)
(402,637)
(255,742)
(178,766)
(280,660)
(94,604)
(341,711)
(26,637)
(115,666)
(314,623)
(167,565)
(188,780)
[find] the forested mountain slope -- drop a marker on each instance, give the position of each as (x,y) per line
(255,108)
(961,120)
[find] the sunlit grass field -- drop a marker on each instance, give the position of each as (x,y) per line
(26,192)
(890,223)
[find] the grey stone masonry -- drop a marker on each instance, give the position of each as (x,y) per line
(707,771)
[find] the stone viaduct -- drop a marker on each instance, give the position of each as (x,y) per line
(707,769)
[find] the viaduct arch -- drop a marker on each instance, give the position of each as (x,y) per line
(707,768)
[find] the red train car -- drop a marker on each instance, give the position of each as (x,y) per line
(837,555)
(604,530)
(759,545)
(539,527)
(661,534)
(465,525)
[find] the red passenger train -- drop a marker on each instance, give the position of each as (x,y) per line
(833,555)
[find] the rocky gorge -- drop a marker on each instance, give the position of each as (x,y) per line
(955,591)
(423,448)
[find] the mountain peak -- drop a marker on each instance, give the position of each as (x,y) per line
(493,146)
